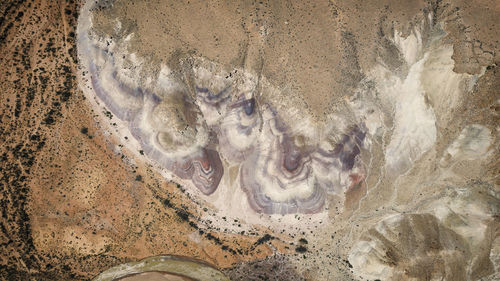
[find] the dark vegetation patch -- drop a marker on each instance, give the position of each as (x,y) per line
(184,215)
(264,239)
(301,249)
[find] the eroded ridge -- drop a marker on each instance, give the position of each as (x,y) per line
(229,131)
(197,119)
(448,240)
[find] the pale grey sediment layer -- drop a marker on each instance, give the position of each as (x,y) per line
(206,113)
(163,268)
(381,163)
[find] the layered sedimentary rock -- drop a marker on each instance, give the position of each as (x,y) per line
(366,129)
(389,164)
(198,118)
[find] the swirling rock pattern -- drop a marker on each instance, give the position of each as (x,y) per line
(381,105)
(167,127)
(251,146)
(200,120)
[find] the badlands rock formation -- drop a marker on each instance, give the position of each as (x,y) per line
(274,140)
(202,121)
(222,129)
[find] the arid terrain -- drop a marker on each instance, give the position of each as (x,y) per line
(273,140)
